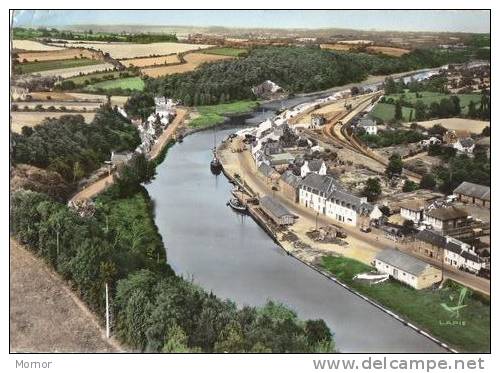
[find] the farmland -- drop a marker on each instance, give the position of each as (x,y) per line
(85,79)
(131,50)
(76,71)
(336,47)
(52,105)
(33,67)
(134,83)
(458,124)
(390,51)
(33,118)
(74,96)
(151,61)
(386,112)
(193,60)
(430,97)
(60,54)
(232,52)
(30,45)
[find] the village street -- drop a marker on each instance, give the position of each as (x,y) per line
(361,246)
(100,185)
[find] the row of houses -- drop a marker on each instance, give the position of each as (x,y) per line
(448,250)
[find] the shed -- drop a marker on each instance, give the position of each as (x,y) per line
(276,211)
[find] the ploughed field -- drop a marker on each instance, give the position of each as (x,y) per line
(58,65)
(33,118)
(30,45)
(60,54)
(193,60)
(151,61)
(120,50)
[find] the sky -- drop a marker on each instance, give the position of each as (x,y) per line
(405,20)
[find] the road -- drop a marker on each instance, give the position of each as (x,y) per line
(93,189)
(362,246)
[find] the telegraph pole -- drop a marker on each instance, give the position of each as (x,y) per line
(107,311)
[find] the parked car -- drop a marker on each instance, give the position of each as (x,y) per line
(365,229)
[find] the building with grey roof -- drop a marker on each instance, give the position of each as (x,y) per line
(446,219)
(407,269)
(477,194)
(289,185)
(278,213)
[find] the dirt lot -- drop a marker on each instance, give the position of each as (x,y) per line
(193,60)
(151,61)
(45,316)
(30,45)
(130,50)
(390,51)
(471,125)
(61,54)
(32,118)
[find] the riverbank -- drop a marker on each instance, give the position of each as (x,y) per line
(209,116)
(295,241)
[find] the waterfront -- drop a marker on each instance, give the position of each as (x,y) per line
(231,255)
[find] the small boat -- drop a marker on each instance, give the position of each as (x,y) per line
(215,165)
(373,278)
(235,204)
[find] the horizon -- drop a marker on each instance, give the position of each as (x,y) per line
(439,21)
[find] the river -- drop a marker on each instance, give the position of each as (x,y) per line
(229,254)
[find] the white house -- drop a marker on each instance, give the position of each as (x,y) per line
(461,255)
(465,146)
(413,210)
(316,166)
(324,195)
(368,125)
(407,269)
(430,141)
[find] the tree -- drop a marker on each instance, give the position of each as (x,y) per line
(472,112)
(485,132)
(408,227)
(372,189)
(409,186)
(428,181)
(420,111)
(385,210)
(398,114)
(395,166)
(176,341)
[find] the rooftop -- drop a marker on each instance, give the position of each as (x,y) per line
(447,213)
(473,190)
(431,237)
(274,207)
(402,261)
(413,205)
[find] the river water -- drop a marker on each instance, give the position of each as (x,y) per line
(229,254)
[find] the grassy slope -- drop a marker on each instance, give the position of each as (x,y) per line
(385,112)
(214,114)
(423,307)
(133,83)
(31,67)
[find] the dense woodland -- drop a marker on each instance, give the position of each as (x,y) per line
(153,309)
(296,69)
(72,148)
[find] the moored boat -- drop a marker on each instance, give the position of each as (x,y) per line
(235,204)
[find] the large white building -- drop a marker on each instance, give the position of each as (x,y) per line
(324,195)
(317,166)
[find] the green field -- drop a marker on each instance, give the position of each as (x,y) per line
(32,67)
(386,112)
(79,80)
(430,97)
(470,332)
(134,83)
(233,52)
(214,114)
